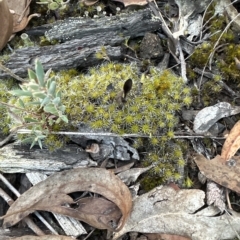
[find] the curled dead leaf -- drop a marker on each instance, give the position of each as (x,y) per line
(52,195)
(21,10)
(17,27)
(6,20)
(219,171)
(232,143)
(99,210)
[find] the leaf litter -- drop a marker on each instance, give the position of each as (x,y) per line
(52,195)
(224,169)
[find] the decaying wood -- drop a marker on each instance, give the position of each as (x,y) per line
(81,38)
(21,159)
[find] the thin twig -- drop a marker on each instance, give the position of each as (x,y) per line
(27,131)
(15,191)
(89,234)
(7,139)
(183,64)
(27,220)
(11,73)
(221,83)
(204,14)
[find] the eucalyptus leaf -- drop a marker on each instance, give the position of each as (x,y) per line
(40,95)
(50,121)
(52,88)
(47,74)
(56,101)
(50,108)
(33,86)
(33,103)
(64,118)
(21,103)
(40,143)
(63,7)
(45,101)
(62,108)
(58,94)
(53,6)
(58,120)
(32,75)
(27,140)
(28,119)
(33,143)
(19,93)
(40,73)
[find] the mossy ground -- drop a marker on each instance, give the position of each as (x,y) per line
(151,109)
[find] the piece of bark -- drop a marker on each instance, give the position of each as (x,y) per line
(58,57)
(82,38)
(21,159)
(102,31)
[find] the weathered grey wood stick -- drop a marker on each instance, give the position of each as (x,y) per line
(80,39)
(20,159)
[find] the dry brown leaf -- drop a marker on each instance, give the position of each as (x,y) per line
(46,237)
(219,171)
(133,2)
(51,195)
(164,210)
(232,143)
(6,21)
(99,210)
(20,16)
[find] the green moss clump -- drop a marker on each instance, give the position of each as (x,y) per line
(150,108)
(153,100)
(5,86)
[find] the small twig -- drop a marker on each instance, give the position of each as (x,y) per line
(14,190)
(228,200)
(217,48)
(89,234)
(204,14)
(133,58)
(27,220)
(27,131)
(7,139)
(221,83)
(11,73)
(183,64)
